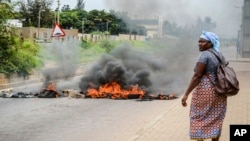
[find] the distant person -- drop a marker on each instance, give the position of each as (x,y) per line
(207,109)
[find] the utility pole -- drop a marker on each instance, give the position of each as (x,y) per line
(39,19)
(58,11)
(55,16)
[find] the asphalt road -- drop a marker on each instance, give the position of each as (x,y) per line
(67,119)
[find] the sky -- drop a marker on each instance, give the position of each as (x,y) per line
(89,4)
(225,13)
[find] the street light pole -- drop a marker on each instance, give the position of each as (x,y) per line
(58,12)
(238,43)
(39,18)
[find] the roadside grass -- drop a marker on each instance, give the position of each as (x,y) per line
(91,51)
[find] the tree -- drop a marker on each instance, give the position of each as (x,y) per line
(121,23)
(172,28)
(208,24)
(80,5)
(188,31)
(26,57)
(78,18)
(16,56)
(5,11)
(204,24)
(68,19)
(65,8)
(8,2)
(30,12)
(6,40)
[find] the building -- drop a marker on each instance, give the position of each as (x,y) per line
(37,34)
(244,34)
(44,34)
(14,23)
(152,25)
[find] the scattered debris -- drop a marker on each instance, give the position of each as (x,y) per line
(160,96)
(72,94)
(49,92)
(6,93)
(111,91)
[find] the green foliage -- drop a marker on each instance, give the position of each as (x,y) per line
(5,12)
(17,56)
(96,33)
(27,56)
(91,53)
(139,43)
(65,8)
(29,11)
(107,45)
(93,50)
(7,51)
(77,18)
(68,19)
(84,44)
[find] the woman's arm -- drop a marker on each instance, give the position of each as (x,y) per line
(199,72)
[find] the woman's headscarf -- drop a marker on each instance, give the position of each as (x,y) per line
(213,38)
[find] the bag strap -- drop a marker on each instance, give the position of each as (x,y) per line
(210,79)
(219,61)
(216,56)
(219,58)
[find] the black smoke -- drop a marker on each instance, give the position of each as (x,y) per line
(155,70)
(61,60)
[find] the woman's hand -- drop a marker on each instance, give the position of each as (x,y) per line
(198,74)
(184,100)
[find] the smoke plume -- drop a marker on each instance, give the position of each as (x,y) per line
(225,13)
(61,59)
(161,69)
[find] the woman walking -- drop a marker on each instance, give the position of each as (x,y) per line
(207,109)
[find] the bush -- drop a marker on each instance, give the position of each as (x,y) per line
(84,44)
(16,55)
(107,45)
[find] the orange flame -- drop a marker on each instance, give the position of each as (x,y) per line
(114,90)
(51,87)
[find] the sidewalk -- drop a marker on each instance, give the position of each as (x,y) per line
(173,125)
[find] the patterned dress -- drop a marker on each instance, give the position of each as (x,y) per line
(207,109)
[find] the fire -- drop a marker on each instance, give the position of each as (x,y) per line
(114,91)
(51,87)
(49,92)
